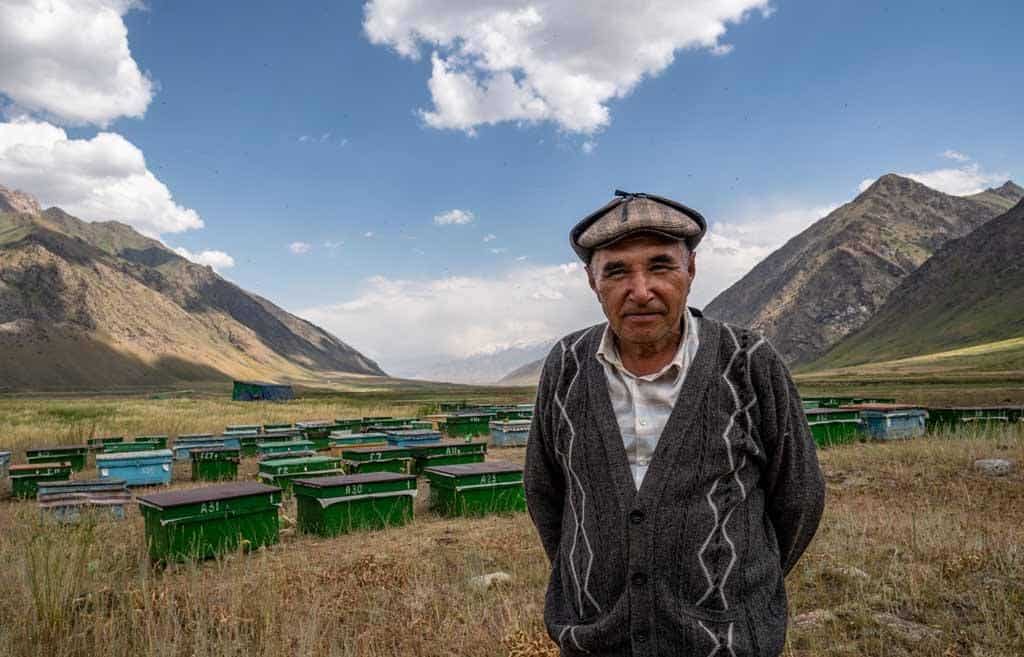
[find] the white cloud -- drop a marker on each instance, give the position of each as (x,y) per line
(960,181)
(70,60)
(462,316)
(490,237)
(299,248)
(542,60)
(368,234)
(498,251)
(453,217)
(216,259)
(99,179)
(333,245)
(529,304)
(955,155)
(589,146)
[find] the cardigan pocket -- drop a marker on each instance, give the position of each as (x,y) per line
(700,631)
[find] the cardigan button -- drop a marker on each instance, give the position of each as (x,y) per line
(636,516)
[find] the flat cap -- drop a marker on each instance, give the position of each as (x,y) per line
(629,213)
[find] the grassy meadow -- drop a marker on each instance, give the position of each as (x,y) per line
(917,555)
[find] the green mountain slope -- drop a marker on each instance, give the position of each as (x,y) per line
(970,292)
(830,279)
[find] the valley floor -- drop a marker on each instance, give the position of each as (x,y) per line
(916,555)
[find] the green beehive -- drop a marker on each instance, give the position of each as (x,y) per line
(134,446)
(98,443)
(319,433)
(204,522)
(279,426)
(25,478)
(75,455)
(349,424)
(834,426)
(377,459)
(281,472)
(283,447)
(466,425)
(421,425)
(342,441)
(242,428)
(215,463)
(160,440)
(952,417)
(448,452)
(476,488)
(328,506)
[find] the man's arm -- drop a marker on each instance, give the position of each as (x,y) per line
(793,482)
(542,476)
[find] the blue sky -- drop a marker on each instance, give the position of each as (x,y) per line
(319,153)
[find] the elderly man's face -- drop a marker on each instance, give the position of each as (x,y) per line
(642,283)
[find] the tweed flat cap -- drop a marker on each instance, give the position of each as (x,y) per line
(630,213)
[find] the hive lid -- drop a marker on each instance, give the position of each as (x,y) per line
(352,479)
(145,454)
(369,449)
(155,436)
(881,407)
(55,448)
(286,443)
(300,460)
(186,436)
(32,467)
(86,484)
(414,433)
(827,411)
(206,494)
(488,467)
(216,450)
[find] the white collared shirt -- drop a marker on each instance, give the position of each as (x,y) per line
(643,404)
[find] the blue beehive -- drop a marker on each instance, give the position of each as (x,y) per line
(152,468)
(894,423)
(414,437)
(183,445)
(509,433)
(65,500)
(5,461)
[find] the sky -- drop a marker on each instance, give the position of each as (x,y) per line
(404,173)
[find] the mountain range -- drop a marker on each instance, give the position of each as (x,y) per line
(970,292)
(87,305)
(869,264)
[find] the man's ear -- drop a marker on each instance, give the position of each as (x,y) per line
(691,268)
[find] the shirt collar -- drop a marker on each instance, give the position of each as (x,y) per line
(608,353)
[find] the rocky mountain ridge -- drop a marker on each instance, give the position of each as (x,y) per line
(93,305)
(830,279)
(971,291)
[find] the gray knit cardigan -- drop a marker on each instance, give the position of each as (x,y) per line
(692,564)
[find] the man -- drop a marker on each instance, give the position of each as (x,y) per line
(670,470)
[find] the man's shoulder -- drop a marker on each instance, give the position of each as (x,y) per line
(573,342)
(739,337)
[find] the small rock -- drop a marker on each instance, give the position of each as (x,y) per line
(814,618)
(846,573)
(491,580)
(994,467)
(907,629)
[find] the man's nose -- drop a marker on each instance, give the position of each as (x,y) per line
(639,288)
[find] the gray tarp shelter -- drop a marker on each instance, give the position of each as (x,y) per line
(261,391)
